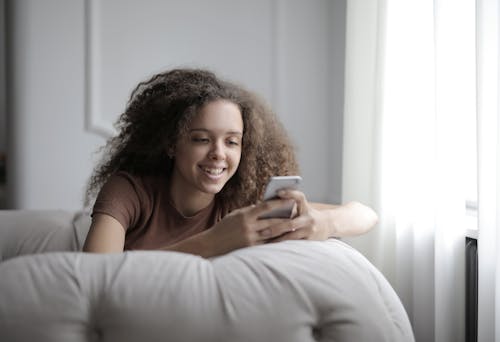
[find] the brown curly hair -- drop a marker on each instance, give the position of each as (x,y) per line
(160,110)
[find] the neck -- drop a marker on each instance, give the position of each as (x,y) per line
(188,202)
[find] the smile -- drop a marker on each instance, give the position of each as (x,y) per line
(213,171)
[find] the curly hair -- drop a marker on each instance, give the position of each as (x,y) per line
(159,112)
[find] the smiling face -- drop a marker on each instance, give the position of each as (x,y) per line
(209,154)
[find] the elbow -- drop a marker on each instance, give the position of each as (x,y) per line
(368,218)
(372,219)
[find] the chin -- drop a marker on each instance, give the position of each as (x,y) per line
(212,189)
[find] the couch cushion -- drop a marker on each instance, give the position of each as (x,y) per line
(37,231)
(290,291)
(81,224)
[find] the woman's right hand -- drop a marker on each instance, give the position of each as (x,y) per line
(243,227)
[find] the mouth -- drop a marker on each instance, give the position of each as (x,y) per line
(213,172)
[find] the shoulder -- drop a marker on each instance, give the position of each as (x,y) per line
(127,197)
(126,189)
(119,187)
(122,181)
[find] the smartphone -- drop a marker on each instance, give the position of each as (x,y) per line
(276,184)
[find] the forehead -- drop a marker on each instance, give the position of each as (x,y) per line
(219,115)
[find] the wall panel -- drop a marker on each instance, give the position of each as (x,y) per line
(72,66)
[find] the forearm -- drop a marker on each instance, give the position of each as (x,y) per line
(350,219)
(200,244)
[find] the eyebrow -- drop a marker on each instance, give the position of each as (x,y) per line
(208,131)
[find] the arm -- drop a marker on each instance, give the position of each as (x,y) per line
(350,219)
(319,221)
(106,235)
(239,229)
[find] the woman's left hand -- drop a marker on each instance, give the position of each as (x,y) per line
(308,223)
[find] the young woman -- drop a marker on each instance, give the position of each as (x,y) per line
(188,169)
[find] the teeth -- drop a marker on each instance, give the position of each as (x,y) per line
(214,172)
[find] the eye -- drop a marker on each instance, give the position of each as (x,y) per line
(233,142)
(200,140)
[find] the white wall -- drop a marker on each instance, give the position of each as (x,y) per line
(3,117)
(72,64)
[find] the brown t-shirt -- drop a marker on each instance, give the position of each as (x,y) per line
(142,205)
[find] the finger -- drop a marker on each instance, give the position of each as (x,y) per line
(265,234)
(267,206)
(270,228)
(241,210)
(272,232)
(278,228)
(298,234)
(288,226)
(299,197)
(259,241)
(263,228)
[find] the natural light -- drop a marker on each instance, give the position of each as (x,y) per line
(429,125)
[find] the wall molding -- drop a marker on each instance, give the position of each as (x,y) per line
(94,121)
(277,55)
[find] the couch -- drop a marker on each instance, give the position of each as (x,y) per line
(289,291)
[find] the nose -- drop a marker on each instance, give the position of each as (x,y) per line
(217,151)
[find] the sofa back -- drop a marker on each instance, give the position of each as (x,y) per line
(289,291)
(292,291)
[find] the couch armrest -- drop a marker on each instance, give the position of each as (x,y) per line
(38,231)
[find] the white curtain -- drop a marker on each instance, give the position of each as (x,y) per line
(488,85)
(410,89)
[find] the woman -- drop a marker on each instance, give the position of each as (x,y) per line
(188,169)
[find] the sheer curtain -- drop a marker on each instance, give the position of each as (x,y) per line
(488,84)
(411,68)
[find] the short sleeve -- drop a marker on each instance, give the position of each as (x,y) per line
(120,198)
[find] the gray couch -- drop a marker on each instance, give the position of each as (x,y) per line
(289,291)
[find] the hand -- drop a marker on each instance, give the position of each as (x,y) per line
(242,227)
(308,223)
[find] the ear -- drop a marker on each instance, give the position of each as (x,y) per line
(171,152)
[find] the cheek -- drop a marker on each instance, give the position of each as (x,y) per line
(189,153)
(236,157)
(186,158)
